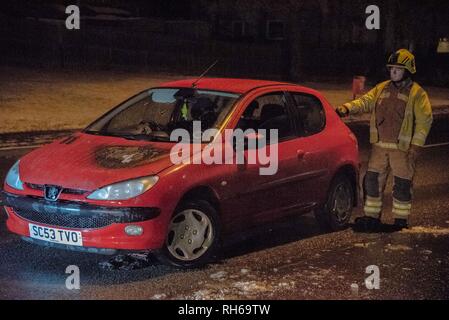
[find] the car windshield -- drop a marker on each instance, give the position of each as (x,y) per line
(155,113)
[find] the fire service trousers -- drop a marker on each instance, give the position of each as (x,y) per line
(402,164)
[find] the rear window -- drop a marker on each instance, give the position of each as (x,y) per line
(309,113)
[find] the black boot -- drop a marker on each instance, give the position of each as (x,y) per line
(400,224)
(367,224)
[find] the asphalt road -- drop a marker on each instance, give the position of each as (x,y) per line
(289,260)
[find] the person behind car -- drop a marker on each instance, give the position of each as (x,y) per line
(401,118)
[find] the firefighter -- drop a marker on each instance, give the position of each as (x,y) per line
(401,118)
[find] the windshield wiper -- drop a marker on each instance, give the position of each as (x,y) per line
(147,137)
(97,133)
(107,134)
(152,137)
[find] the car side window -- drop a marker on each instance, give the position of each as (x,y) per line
(268,112)
(309,114)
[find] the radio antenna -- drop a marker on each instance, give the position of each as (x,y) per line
(204,73)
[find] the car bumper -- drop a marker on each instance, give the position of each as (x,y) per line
(101,227)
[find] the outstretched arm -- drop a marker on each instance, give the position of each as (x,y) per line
(364,104)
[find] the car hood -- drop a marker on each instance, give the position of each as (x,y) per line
(87,162)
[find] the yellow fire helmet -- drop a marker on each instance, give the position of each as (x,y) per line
(404,59)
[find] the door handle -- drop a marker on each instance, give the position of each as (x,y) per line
(300,154)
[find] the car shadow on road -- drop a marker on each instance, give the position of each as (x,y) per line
(287,230)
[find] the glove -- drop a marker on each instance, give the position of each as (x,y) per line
(342,111)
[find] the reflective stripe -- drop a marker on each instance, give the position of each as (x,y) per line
(371,203)
(387,145)
(375,215)
(402,97)
(402,206)
(419,137)
(401,212)
(372,209)
(418,142)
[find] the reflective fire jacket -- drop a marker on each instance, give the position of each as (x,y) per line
(417,118)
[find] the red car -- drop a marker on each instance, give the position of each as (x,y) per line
(113,186)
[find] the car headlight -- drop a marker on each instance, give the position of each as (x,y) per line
(13,177)
(124,190)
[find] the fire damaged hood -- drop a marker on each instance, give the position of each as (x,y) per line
(87,162)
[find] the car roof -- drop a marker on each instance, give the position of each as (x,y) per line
(225,84)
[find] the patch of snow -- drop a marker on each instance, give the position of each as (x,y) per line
(206,294)
(286,285)
(436,231)
(105,265)
(219,275)
(159,296)
(251,286)
(244,271)
(398,247)
(202,294)
(363,245)
(355,289)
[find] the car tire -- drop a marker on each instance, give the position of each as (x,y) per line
(335,213)
(193,235)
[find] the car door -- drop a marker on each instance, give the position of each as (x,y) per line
(258,197)
(312,171)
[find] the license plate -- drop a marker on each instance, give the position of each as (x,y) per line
(55,235)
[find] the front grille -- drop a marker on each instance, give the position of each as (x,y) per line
(41,187)
(35,186)
(67,221)
(74,191)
